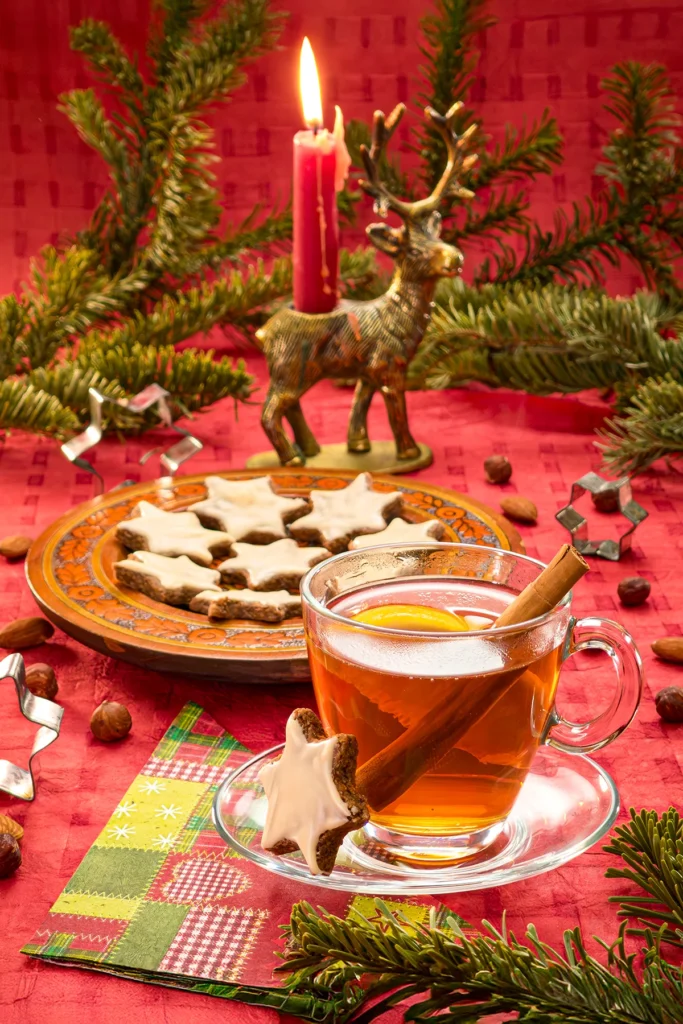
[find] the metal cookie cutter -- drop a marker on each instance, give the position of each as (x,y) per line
(171,459)
(17,781)
(578,526)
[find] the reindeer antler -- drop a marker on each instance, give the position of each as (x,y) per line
(457,163)
(382,130)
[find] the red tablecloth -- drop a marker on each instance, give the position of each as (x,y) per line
(550,443)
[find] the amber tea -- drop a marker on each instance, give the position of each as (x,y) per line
(477,709)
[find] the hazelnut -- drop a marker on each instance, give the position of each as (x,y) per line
(669,704)
(10,855)
(606,499)
(633,590)
(15,546)
(498,470)
(41,681)
(110,721)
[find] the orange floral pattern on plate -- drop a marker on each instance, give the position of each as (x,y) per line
(96,592)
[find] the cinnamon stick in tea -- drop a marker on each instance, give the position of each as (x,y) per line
(393,770)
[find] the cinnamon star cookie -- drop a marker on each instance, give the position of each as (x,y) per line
(277,566)
(312,797)
(399,531)
(249,510)
(271,606)
(171,580)
(339,516)
(171,534)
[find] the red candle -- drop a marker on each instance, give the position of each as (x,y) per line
(320,167)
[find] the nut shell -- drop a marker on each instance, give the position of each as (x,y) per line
(41,681)
(669,648)
(669,704)
(23,633)
(16,546)
(11,827)
(520,509)
(498,470)
(10,855)
(110,722)
(633,590)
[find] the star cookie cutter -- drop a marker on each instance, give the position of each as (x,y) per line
(171,459)
(14,780)
(578,526)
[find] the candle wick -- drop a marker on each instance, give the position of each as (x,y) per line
(316,128)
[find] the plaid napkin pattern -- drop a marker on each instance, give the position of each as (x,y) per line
(159,896)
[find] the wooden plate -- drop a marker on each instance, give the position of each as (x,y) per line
(70,571)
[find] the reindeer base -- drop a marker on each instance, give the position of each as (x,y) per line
(380,459)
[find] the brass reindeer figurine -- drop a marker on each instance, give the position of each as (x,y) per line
(373,341)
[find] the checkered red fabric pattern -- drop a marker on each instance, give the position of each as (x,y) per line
(213,944)
(190,772)
(204,879)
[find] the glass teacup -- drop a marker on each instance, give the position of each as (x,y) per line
(448,723)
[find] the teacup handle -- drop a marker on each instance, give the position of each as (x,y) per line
(591,634)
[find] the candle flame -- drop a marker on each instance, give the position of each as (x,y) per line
(309,85)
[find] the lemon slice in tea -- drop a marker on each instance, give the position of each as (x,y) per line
(412,616)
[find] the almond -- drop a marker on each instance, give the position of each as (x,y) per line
(519,508)
(15,546)
(669,648)
(11,827)
(24,633)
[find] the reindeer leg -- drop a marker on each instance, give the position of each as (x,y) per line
(358,440)
(395,401)
(274,408)
(303,435)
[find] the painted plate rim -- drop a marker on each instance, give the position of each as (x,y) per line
(125,642)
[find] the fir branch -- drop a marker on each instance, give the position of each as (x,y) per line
(23,407)
(575,250)
(109,61)
(450,976)
(651,847)
(253,234)
(175,22)
(449,62)
(502,212)
(546,340)
(524,154)
(194,378)
(87,115)
(207,68)
(651,429)
(69,383)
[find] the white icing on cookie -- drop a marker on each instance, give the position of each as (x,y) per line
(399,531)
(261,563)
(303,801)
(244,507)
(172,573)
(172,533)
(347,512)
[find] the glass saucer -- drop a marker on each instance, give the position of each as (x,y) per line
(567,804)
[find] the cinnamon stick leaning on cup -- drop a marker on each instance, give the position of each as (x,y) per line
(392,771)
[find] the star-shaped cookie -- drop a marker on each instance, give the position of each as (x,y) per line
(277,566)
(399,531)
(171,580)
(271,606)
(172,533)
(339,516)
(312,799)
(249,510)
